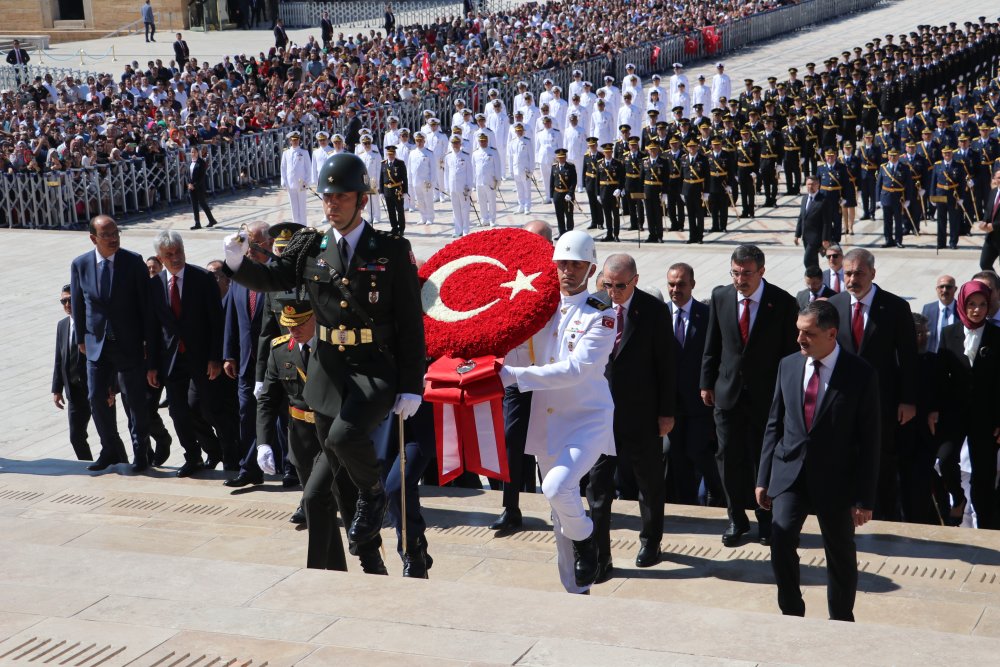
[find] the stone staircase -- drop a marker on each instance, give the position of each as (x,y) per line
(117,569)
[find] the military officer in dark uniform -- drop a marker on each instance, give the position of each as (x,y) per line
(830,118)
(717,185)
(832,181)
(632,160)
(810,149)
(694,170)
(591,183)
(893,191)
(611,183)
(675,180)
(562,186)
(369,357)
(793,140)
(654,178)
(747,165)
(871,158)
(947,189)
(771,150)
(392,186)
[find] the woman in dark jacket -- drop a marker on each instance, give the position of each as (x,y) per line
(969,363)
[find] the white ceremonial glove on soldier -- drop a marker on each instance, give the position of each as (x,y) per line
(265,459)
(258,389)
(617,193)
(235,247)
(704,197)
(406,405)
(569,197)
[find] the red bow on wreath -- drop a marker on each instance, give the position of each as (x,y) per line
(468,416)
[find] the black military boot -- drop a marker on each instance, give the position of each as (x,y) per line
(414,566)
(369,514)
(585,564)
(371,562)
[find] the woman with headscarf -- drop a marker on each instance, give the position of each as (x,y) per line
(969,363)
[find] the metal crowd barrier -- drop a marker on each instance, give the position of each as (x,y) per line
(308,14)
(12,77)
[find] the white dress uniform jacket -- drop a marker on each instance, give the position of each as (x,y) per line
(295,167)
(421,167)
(320,155)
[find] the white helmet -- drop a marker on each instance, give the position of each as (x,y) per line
(575,245)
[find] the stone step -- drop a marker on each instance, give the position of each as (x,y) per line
(70,25)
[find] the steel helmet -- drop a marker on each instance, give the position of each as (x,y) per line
(343,172)
(575,245)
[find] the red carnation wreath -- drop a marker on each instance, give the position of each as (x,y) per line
(487,293)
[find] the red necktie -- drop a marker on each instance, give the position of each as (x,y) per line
(858,325)
(996,207)
(835,282)
(745,322)
(812,394)
(175,304)
(619,329)
(253,303)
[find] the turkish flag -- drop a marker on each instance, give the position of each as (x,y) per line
(425,66)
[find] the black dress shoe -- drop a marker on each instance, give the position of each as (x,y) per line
(243,479)
(140,463)
(290,480)
(369,515)
(210,464)
(508,522)
(764,528)
(733,533)
(298,516)
(160,456)
(372,563)
(888,244)
(413,564)
(899,244)
(607,239)
(194,227)
(102,464)
(605,571)
(211,223)
(585,561)
(592,226)
(648,556)
(189,468)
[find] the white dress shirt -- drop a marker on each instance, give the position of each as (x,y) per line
(866,302)
(973,337)
(352,237)
(825,372)
(754,304)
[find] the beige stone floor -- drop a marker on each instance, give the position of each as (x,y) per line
(149,570)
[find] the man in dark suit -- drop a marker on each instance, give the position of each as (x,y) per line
(185,350)
(821,455)
(181,51)
(811,227)
(751,327)
(991,225)
(562,190)
(18,57)
(833,276)
(878,326)
(326,30)
(691,455)
(642,378)
(198,187)
(352,129)
(109,292)
(280,36)
(69,380)
(815,288)
(940,313)
(244,312)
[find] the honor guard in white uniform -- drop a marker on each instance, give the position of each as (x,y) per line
(481,128)
(522,90)
(721,85)
(296,175)
(531,113)
(337,141)
(391,136)
(459,114)
(373,164)
(546,143)
(520,163)
(497,120)
(426,127)
(458,184)
(437,143)
(545,96)
(492,97)
(403,149)
(602,123)
(486,178)
(322,151)
(576,85)
(571,407)
(629,113)
(657,88)
(575,143)
(459,132)
(421,167)
(557,108)
(612,95)
(676,80)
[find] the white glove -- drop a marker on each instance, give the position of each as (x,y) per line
(906,204)
(265,459)
(729,189)
(235,247)
(921,192)
(704,197)
(406,405)
(569,197)
(427,186)
(843,201)
(617,193)
(663,198)
(971,183)
(258,389)
(599,201)
(467,190)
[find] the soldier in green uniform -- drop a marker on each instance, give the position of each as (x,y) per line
(369,356)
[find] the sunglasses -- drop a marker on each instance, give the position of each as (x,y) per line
(946,287)
(618,286)
(65,300)
(833,256)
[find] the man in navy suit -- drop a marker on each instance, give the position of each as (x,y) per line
(691,455)
(811,228)
(69,381)
(833,277)
(244,314)
(108,291)
(185,349)
(820,455)
(815,288)
(940,313)
(878,327)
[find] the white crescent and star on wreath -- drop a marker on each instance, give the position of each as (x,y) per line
(435,307)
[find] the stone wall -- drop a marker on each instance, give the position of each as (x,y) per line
(37,16)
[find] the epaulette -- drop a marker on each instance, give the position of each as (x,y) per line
(938,162)
(280,339)
(595,301)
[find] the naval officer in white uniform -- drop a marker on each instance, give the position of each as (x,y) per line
(296,175)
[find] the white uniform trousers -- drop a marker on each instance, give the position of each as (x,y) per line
(523,187)
(297,198)
(487,204)
(374,208)
(423,197)
(561,485)
(460,208)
